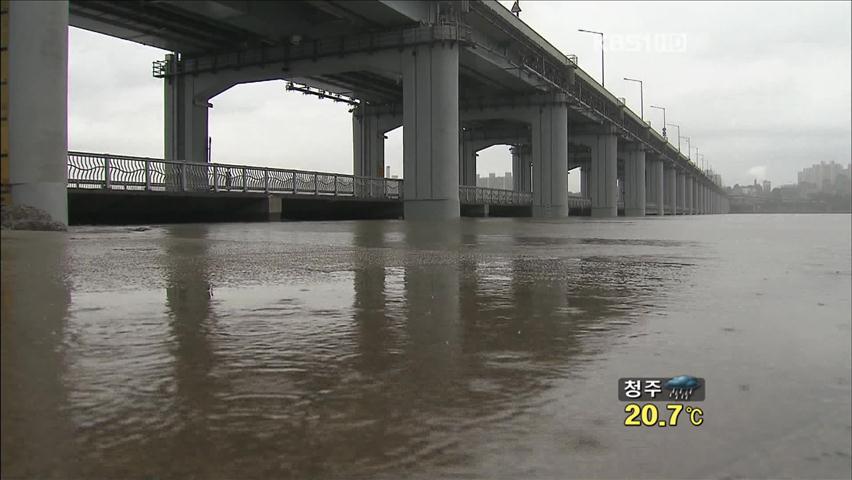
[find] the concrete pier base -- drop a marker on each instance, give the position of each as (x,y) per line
(368,145)
(521,168)
(659,187)
(38,106)
(186,117)
(671,190)
(431,134)
(689,185)
(550,160)
(634,186)
(604,173)
(467,163)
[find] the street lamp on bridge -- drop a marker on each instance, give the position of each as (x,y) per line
(664,119)
(678,135)
(602,51)
(688,148)
(641,97)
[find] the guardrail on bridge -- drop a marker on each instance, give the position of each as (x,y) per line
(118,172)
(98,171)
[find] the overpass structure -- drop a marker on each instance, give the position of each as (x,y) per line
(459,76)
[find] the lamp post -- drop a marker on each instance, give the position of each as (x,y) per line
(602,51)
(664,119)
(641,97)
(678,134)
(688,148)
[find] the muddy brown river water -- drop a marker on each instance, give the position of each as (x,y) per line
(486,348)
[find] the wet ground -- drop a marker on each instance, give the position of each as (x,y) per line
(487,348)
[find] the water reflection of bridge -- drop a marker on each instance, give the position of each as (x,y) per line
(430,332)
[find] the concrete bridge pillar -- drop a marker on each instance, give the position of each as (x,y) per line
(431,132)
(634,188)
(658,179)
(550,160)
(681,192)
(585,174)
(467,163)
(708,199)
(521,168)
(671,190)
(368,145)
(186,117)
(37,74)
(604,173)
(689,205)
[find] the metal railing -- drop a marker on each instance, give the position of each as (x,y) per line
(118,172)
(96,171)
(578,201)
(493,196)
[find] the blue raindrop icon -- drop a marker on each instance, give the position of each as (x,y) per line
(682,386)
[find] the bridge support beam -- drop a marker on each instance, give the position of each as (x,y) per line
(550,160)
(688,193)
(38,106)
(368,145)
(707,208)
(634,186)
(431,132)
(186,116)
(585,174)
(658,180)
(467,163)
(699,194)
(671,190)
(521,168)
(603,181)
(681,193)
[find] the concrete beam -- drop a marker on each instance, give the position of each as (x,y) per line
(671,189)
(550,161)
(634,187)
(431,132)
(38,105)
(604,174)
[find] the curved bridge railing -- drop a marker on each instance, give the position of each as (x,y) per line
(118,172)
(98,171)
(493,196)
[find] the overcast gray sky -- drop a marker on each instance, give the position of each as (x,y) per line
(763,89)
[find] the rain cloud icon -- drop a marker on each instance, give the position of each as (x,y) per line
(682,386)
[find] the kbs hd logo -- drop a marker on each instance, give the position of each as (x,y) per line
(681,388)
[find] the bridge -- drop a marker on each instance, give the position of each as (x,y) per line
(106,180)
(458,76)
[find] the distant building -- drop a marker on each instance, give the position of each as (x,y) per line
(503,182)
(826,177)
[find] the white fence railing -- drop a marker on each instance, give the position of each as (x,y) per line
(117,172)
(98,171)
